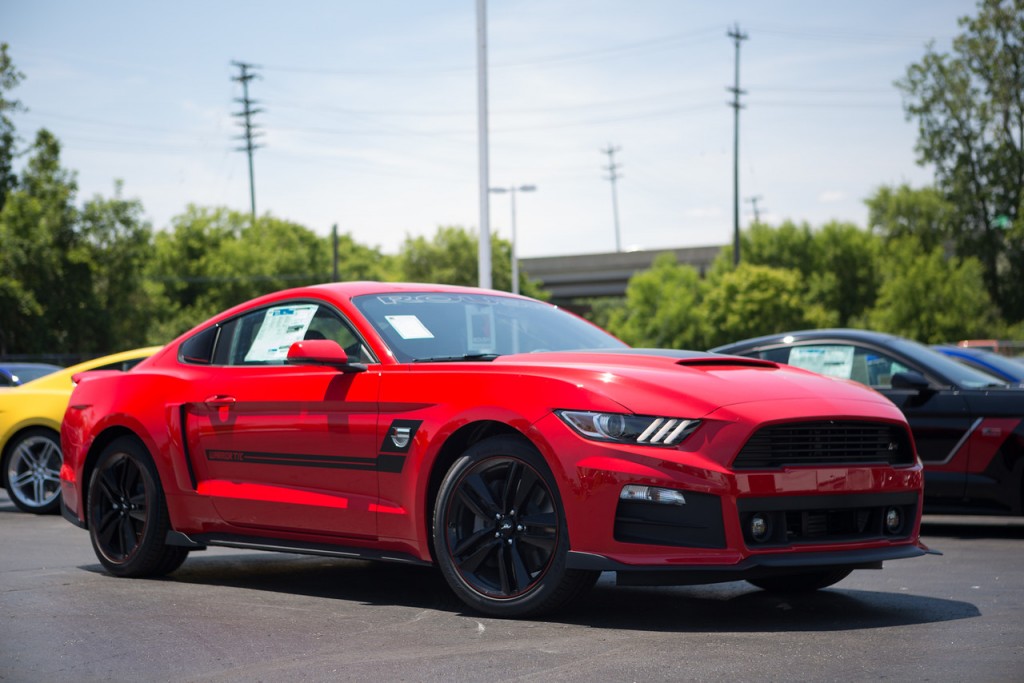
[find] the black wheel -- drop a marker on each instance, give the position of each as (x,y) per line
(500,534)
(31,471)
(127,513)
(801,583)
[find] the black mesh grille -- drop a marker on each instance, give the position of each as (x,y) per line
(826,443)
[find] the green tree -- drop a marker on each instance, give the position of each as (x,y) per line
(844,282)
(451,257)
(47,275)
(661,309)
(836,264)
(969,108)
(896,212)
(214,258)
(755,300)
(930,298)
(10,77)
(117,244)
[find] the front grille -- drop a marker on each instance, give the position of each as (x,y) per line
(832,442)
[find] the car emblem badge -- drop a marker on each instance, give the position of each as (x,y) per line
(400,436)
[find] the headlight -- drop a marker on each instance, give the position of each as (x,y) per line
(637,429)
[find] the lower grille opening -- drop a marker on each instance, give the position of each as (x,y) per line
(780,522)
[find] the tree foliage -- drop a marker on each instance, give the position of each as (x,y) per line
(754,300)
(924,213)
(10,77)
(661,308)
(214,258)
(930,298)
(451,257)
(969,108)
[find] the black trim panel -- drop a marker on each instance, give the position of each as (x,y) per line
(381,463)
(200,541)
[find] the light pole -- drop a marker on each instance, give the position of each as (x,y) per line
(512,195)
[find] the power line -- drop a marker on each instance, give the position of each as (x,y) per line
(250,129)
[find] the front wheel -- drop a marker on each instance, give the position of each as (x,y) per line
(31,471)
(500,534)
(805,582)
(127,513)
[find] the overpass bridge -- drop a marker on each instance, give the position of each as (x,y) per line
(601,275)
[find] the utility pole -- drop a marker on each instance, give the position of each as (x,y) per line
(613,176)
(334,241)
(737,37)
(249,128)
(753,202)
(484,248)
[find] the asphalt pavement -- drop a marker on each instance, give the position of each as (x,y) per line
(230,615)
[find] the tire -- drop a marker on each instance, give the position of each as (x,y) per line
(801,583)
(31,471)
(127,513)
(500,534)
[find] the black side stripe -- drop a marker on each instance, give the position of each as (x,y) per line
(381,463)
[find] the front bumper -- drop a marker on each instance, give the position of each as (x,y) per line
(753,567)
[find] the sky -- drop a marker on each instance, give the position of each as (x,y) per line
(369,111)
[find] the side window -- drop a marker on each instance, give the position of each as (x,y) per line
(263,337)
(847,361)
(199,349)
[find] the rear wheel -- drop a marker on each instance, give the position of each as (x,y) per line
(127,513)
(801,583)
(500,533)
(31,471)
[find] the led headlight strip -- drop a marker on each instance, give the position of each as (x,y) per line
(624,428)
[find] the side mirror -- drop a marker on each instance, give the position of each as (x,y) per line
(322,352)
(914,381)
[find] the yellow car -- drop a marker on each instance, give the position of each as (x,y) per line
(30,417)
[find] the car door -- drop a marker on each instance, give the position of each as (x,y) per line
(939,416)
(282,447)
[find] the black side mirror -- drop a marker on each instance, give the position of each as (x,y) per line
(914,381)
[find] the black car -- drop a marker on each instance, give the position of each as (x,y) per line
(968,425)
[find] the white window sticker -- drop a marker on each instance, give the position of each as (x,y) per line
(831,361)
(480,329)
(409,327)
(281,327)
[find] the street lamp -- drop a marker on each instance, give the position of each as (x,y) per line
(512,192)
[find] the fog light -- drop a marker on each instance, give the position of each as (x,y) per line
(652,494)
(893,520)
(760,527)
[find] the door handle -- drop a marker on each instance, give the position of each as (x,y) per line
(220,401)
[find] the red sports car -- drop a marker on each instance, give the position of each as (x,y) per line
(519,448)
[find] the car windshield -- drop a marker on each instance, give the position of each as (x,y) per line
(1008,366)
(432,326)
(960,374)
(20,374)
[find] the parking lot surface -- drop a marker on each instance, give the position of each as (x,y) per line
(230,615)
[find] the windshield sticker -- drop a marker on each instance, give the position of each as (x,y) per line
(409,327)
(480,329)
(281,327)
(831,361)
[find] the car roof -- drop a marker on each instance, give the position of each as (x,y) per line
(834,333)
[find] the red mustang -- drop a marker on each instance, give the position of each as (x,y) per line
(514,445)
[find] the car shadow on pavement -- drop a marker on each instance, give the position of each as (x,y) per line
(733,607)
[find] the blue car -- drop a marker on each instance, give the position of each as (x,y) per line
(16,374)
(1005,368)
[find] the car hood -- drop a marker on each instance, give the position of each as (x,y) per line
(646,381)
